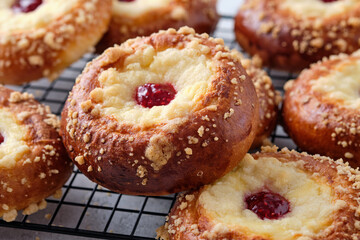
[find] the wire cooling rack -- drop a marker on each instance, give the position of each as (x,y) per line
(88,210)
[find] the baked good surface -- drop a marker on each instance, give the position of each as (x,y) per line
(33,161)
(282,195)
(321,110)
(291,34)
(269,98)
(199,126)
(142,18)
(41,38)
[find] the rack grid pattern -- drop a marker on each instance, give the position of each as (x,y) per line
(88,210)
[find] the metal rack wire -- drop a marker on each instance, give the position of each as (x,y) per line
(88,210)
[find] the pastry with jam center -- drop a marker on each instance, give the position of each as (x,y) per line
(282,195)
(133,18)
(158,114)
(321,110)
(292,34)
(33,161)
(39,38)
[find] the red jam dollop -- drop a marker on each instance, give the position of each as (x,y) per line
(25,6)
(155,94)
(1,138)
(268,205)
(126,0)
(327,1)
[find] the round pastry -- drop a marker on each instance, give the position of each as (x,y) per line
(132,18)
(269,99)
(40,38)
(321,110)
(160,114)
(292,34)
(33,161)
(282,195)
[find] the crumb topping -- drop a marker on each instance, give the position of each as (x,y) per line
(309,27)
(159,151)
(80,160)
(10,215)
(16,97)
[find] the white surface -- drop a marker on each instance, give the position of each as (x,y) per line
(228,7)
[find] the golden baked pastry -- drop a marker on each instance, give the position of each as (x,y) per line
(41,38)
(292,34)
(33,161)
(321,110)
(160,114)
(132,18)
(282,195)
(269,98)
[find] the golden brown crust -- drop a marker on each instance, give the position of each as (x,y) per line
(198,14)
(42,171)
(186,221)
(45,52)
(316,124)
(292,43)
(195,146)
(269,99)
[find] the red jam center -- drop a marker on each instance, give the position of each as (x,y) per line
(327,1)
(25,6)
(154,94)
(268,205)
(1,138)
(126,0)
